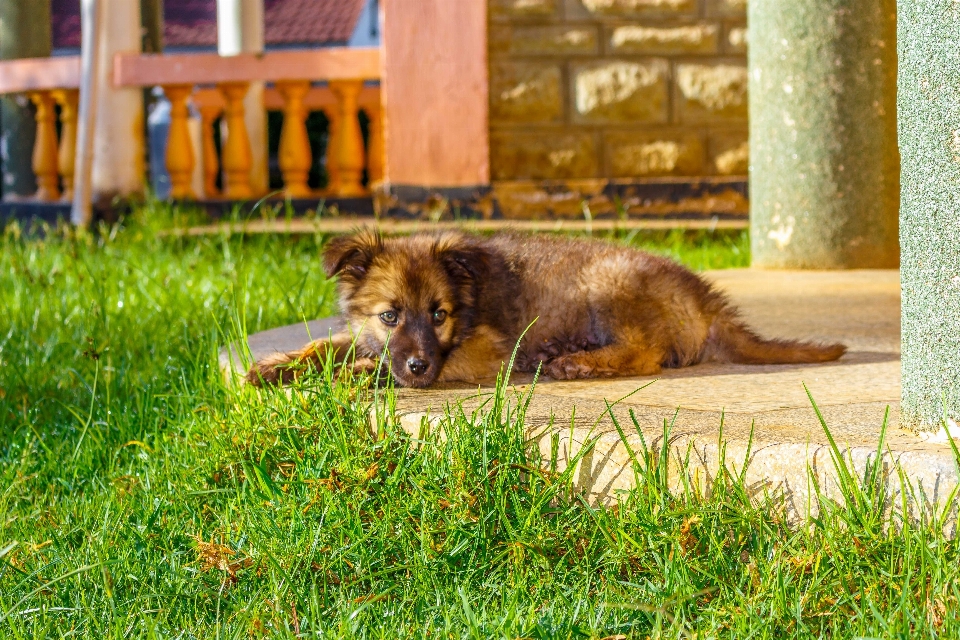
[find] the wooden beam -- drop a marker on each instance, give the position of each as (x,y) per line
(336,63)
(435,88)
(39,74)
(317,99)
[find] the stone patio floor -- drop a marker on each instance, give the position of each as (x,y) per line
(788,445)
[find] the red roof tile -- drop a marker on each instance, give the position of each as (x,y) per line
(193,23)
(65,23)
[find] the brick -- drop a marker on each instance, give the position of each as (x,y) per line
(736,39)
(639,154)
(710,92)
(525,92)
(527,200)
(507,9)
(630,8)
(727,8)
(546,155)
(696,38)
(729,153)
(549,40)
(621,91)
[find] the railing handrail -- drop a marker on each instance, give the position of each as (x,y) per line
(39,74)
(334,63)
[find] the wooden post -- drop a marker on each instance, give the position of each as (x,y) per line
(236,150)
(295,158)
(211,163)
(66,159)
(179,155)
(349,152)
(24,33)
(45,147)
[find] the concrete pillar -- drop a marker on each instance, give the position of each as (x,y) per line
(118,139)
(24,33)
(824,169)
(435,92)
(929,128)
(240,30)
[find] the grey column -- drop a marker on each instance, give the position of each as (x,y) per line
(24,33)
(824,169)
(929,122)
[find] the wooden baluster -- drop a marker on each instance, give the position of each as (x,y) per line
(45,147)
(349,150)
(66,158)
(211,162)
(179,156)
(295,158)
(237,157)
(333,133)
(375,144)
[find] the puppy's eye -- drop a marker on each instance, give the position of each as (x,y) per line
(439,316)
(389,318)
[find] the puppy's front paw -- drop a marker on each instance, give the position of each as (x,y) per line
(360,366)
(567,368)
(272,370)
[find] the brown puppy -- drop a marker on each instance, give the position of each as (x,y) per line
(451,307)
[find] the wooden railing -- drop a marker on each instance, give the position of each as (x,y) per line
(52,82)
(296,99)
(186,77)
(49,82)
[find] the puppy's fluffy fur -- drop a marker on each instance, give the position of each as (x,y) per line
(451,307)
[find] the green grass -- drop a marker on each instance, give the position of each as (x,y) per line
(141,497)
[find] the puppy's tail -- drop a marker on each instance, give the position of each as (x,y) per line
(732,341)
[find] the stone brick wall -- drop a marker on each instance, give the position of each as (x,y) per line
(617,88)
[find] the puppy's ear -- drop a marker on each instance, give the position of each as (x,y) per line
(463,257)
(350,256)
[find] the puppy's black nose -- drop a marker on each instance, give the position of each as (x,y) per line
(417,366)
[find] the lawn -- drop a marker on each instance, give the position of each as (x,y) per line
(141,496)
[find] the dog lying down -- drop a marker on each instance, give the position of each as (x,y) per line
(451,306)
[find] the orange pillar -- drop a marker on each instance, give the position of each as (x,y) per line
(45,147)
(66,160)
(349,150)
(237,157)
(180,159)
(295,158)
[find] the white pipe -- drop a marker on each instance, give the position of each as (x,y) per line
(229,27)
(91,25)
(239,27)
